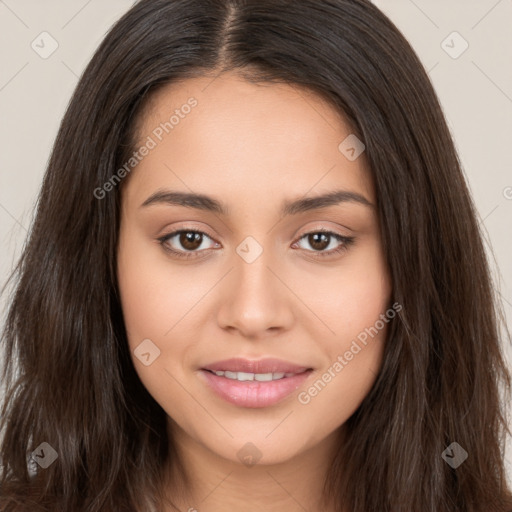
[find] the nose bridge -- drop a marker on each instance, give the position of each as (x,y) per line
(255,283)
(255,300)
(254,279)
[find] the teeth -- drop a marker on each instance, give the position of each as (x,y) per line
(261,377)
(244,376)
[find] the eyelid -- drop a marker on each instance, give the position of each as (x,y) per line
(168,232)
(323,227)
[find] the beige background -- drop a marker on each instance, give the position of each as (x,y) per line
(475,90)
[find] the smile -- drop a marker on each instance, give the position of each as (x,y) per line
(269,382)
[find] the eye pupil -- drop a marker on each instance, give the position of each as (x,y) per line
(315,239)
(190,240)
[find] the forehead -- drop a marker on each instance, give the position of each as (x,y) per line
(266,138)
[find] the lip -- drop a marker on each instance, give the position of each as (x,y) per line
(254,394)
(267,365)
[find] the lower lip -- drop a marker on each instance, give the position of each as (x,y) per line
(254,393)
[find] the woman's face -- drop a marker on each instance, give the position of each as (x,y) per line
(240,168)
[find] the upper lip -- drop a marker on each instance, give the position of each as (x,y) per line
(260,366)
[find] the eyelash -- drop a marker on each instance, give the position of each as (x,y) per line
(346,241)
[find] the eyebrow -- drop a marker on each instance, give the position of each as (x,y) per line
(290,207)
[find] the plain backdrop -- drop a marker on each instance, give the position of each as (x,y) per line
(465,45)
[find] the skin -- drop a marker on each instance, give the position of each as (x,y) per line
(251,146)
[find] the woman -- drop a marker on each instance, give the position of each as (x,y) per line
(255,279)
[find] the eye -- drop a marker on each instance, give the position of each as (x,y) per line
(321,239)
(189,242)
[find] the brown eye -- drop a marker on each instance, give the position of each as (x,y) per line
(320,240)
(185,243)
(190,240)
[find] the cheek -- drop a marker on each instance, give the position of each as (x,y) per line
(154,294)
(157,301)
(357,310)
(351,296)
(149,298)
(340,388)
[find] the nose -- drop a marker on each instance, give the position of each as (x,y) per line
(256,301)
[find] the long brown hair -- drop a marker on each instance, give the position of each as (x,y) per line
(69,378)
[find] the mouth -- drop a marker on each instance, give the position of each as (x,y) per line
(254,384)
